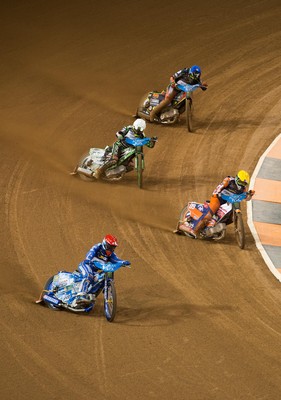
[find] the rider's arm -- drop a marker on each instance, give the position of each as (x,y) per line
(114,258)
(221,186)
(92,253)
(177,75)
(204,85)
(122,133)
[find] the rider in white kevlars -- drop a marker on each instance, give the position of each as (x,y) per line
(131,131)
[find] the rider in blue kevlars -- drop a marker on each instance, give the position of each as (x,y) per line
(132,132)
(190,76)
(103,251)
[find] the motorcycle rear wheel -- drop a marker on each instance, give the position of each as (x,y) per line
(182,218)
(239,230)
(183,212)
(110,303)
(82,164)
(47,289)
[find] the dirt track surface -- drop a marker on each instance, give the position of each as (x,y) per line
(195,320)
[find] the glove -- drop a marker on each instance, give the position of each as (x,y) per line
(125,262)
(251,192)
(154,139)
(203,88)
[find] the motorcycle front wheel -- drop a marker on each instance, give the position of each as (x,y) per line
(139,169)
(189,111)
(239,230)
(110,302)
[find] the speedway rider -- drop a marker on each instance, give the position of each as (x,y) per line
(132,132)
(87,270)
(236,185)
(190,76)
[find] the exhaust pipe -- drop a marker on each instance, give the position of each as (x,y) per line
(216,229)
(85,172)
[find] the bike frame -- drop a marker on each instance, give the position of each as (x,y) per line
(139,156)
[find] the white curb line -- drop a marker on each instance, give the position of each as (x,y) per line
(251,225)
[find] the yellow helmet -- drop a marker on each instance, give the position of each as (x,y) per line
(242,178)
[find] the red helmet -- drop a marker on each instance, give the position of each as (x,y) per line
(109,244)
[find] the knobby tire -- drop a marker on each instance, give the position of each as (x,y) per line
(110,304)
(183,212)
(46,289)
(189,109)
(82,164)
(139,170)
(239,230)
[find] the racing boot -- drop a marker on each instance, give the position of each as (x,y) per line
(156,110)
(101,170)
(201,224)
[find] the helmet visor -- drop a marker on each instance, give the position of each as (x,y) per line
(138,132)
(195,75)
(241,183)
(109,247)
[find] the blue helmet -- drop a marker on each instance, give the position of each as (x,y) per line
(194,72)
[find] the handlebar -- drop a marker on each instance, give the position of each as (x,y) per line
(109,266)
(188,88)
(137,141)
(233,198)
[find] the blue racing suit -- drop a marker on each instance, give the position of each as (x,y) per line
(87,269)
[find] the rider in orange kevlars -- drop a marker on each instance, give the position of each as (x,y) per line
(236,185)
(191,76)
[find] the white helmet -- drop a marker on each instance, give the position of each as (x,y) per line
(139,125)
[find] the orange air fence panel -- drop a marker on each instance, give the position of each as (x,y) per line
(268,190)
(275,152)
(269,234)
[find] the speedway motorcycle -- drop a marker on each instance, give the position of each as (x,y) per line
(227,214)
(181,103)
(131,158)
(63,290)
